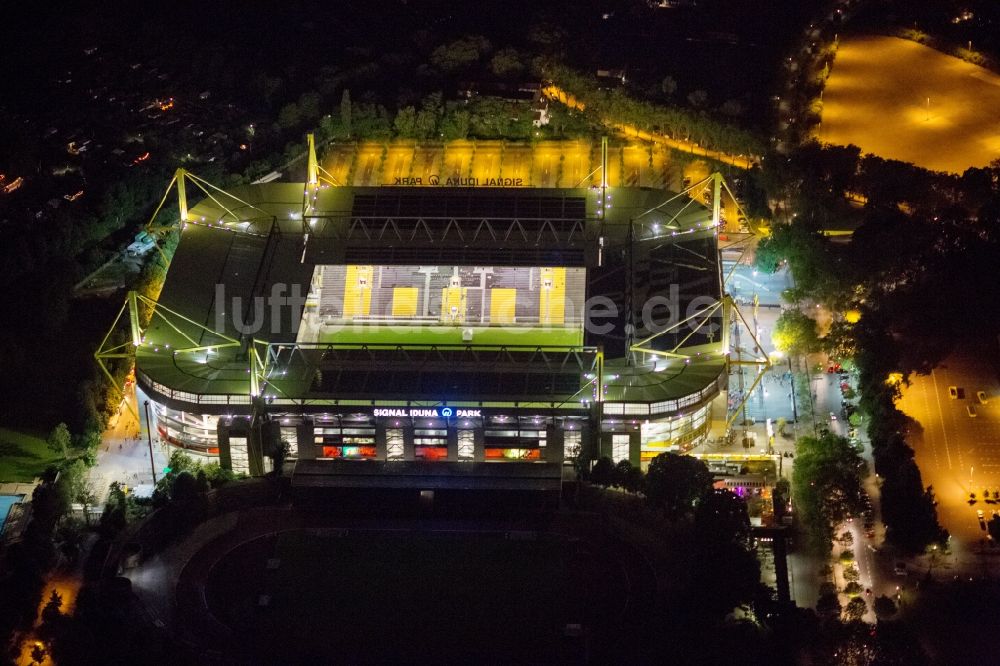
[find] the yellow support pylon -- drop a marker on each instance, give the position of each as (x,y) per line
(182,194)
(312,172)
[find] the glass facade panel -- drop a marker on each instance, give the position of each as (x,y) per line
(572,443)
(619,447)
(239,455)
(466,444)
(394,444)
(291,435)
(195,432)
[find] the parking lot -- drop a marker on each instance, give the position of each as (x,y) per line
(957,453)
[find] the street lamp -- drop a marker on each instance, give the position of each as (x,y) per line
(149,438)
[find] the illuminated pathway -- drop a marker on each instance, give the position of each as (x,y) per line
(742,161)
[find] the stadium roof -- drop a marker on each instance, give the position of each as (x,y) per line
(258,242)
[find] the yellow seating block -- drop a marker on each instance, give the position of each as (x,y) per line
(453,304)
(502,305)
(404,301)
(358,291)
(552,296)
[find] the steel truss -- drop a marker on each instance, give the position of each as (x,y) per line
(132,305)
(276,363)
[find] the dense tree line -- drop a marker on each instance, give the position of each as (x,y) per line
(717,571)
(826,486)
(676,122)
(926,243)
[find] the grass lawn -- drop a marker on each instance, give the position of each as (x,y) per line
(452,335)
(23,455)
(385,597)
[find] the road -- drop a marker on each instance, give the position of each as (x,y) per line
(958,454)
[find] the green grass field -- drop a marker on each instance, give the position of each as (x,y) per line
(387,597)
(23,455)
(452,335)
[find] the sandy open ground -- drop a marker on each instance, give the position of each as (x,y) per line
(877,98)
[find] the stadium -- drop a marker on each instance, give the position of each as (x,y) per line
(438,338)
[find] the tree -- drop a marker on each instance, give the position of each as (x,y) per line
(814,262)
(768,256)
(635,480)
(289,116)
(603,471)
(674,483)
(78,486)
(668,86)
(622,470)
(51,615)
(455,124)
(828,605)
(309,106)
(185,487)
(855,609)
(59,440)
(884,607)
(780,496)
(345,112)
(460,53)
(278,456)
(506,63)
(405,123)
(425,123)
(720,518)
(826,485)
(908,509)
(731,107)
(795,333)
(698,98)
(853,588)
(115,516)
(994,527)
(547,35)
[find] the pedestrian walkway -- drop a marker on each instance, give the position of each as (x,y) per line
(124,452)
(25,489)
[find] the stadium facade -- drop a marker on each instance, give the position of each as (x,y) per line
(455,329)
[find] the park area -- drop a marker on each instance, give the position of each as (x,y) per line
(905,101)
(24,456)
(316,596)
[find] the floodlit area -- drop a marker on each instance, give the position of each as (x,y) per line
(956,440)
(465,163)
(901,100)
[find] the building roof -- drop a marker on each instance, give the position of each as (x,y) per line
(254,243)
